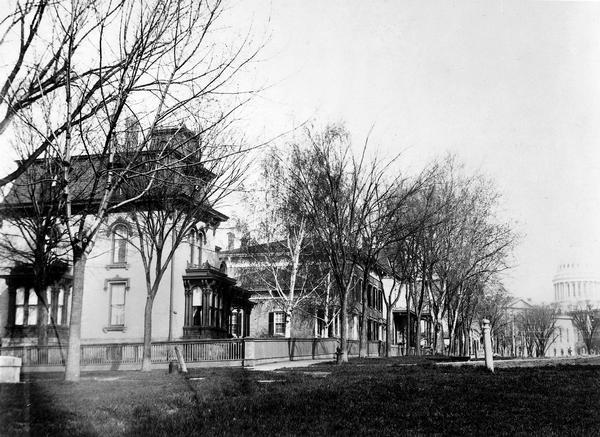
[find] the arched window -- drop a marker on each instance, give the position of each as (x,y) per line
(195,241)
(120,234)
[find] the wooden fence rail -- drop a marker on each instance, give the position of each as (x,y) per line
(130,353)
(246,351)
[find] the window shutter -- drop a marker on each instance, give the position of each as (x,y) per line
(271,323)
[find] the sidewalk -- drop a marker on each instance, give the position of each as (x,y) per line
(288,364)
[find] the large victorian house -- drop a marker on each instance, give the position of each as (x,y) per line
(196,298)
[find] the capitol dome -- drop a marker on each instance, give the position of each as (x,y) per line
(577,283)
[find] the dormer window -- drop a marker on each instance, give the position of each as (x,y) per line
(119,236)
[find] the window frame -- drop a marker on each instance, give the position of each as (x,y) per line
(196,239)
(197,309)
(109,289)
(119,234)
(274,324)
(29,310)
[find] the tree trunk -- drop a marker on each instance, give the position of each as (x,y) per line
(42,325)
(363,342)
(389,331)
(418,335)
(147,349)
(42,322)
(288,323)
(326,311)
(408,326)
(72,368)
(439,336)
(343,355)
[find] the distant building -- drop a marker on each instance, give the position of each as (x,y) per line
(318,315)
(576,286)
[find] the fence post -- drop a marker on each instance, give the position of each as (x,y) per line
(182,366)
(487,344)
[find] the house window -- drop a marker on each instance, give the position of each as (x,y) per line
(117,303)
(120,234)
(277,323)
(211,308)
(60,318)
(234,323)
(56,306)
(360,290)
(25,307)
(197,306)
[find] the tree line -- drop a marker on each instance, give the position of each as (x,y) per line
(324,201)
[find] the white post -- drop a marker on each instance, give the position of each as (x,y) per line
(182,366)
(487,345)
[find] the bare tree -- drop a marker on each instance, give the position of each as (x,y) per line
(471,244)
(401,253)
(333,192)
(48,53)
(181,199)
(285,260)
(382,211)
(33,238)
(587,320)
(492,304)
(163,61)
(538,325)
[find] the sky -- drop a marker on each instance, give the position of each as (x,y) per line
(511,88)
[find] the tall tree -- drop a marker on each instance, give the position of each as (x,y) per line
(471,244)
(492,304)
(538,325)
(400,253)
(165,61)
(333,192)
(285,259)
(181,199)
(587,321)
(33,237)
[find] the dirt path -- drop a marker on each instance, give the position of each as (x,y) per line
(532,362)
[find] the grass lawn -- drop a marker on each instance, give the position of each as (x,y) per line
(371,396)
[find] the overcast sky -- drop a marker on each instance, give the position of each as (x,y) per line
(513,88)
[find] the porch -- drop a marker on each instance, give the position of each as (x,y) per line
(405,330)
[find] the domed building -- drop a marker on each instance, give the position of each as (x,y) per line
(577,284)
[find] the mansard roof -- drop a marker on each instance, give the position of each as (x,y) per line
(41,184)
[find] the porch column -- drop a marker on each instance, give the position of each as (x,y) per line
(246,315)
(187,317)
(206,295)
